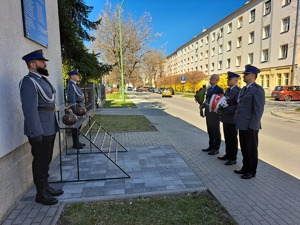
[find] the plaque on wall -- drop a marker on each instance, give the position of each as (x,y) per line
(35,22)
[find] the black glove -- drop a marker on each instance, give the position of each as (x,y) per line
(251,132)
(35,140)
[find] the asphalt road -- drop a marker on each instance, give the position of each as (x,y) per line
(279,139)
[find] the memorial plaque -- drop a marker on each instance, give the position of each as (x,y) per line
(35,22)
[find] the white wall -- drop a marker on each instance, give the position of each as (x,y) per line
(15,154)
(13,46)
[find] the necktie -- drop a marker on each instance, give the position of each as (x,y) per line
(228,90)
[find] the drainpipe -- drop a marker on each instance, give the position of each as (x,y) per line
(295,47)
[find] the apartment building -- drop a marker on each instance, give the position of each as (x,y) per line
(262,33)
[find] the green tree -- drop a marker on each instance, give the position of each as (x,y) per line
(74,27)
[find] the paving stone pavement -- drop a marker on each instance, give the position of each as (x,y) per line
(168,161)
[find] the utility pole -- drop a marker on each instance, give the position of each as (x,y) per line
(121,54)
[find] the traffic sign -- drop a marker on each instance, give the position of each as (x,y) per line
(183,79)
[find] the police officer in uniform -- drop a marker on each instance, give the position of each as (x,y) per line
(227,117)
(251,103)
(40,124)
(212,118)
(75,96)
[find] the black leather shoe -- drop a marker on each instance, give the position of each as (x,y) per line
(54,192)
(82,144)
(247,176)
(206,149)
(213,152)
(241,171)
(77,147)
(45,199)
(224,157)
(230,162)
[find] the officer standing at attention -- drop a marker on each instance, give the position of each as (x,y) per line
(40,124)
(227,116)
(251,103)
(212,118)
(75,96)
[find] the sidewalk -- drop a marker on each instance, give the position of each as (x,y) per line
(171,161)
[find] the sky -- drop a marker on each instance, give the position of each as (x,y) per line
(177,21)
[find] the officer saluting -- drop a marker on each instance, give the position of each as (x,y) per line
(40,124)
(251,103)
(75,96)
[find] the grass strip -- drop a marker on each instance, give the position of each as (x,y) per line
(124,123)
(115,100)
(194,208)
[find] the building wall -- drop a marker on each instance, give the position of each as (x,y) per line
(208,51)
(15,155)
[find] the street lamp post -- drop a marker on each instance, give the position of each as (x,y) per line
(121,54)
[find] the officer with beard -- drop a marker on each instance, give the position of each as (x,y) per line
(40,124)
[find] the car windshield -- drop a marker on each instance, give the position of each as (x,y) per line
(167,89)
(278,88)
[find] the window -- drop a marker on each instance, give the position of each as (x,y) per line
(240,22)
(206,54)
(267,7)
(285,25)
(201,68)
(286,2)
(201,42)
(283,51)
(252,16)
(212,66)
(228,61)
(250,58)
(239,42)
(201,56)
(251,37)
(220,65)
(229,28)
(220,33)
(267,80)
(278,78)
(212,51)
(266,32)
(213,36)
(238,61)
(228,46)
(206,40)
(262,80)
(286,78)
(206,67)
(265,55)
(220,49)
(196,58)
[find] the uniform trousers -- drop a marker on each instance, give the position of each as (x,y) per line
(213,129)
(75,136)
(42,156)
(249,145)
(231,141)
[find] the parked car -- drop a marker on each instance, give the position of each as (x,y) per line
(166,92)
(172,90)
(143,89)
(129,88)
(159,90)
(151,89)
(286,92)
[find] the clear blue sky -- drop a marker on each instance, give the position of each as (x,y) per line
(177,20)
